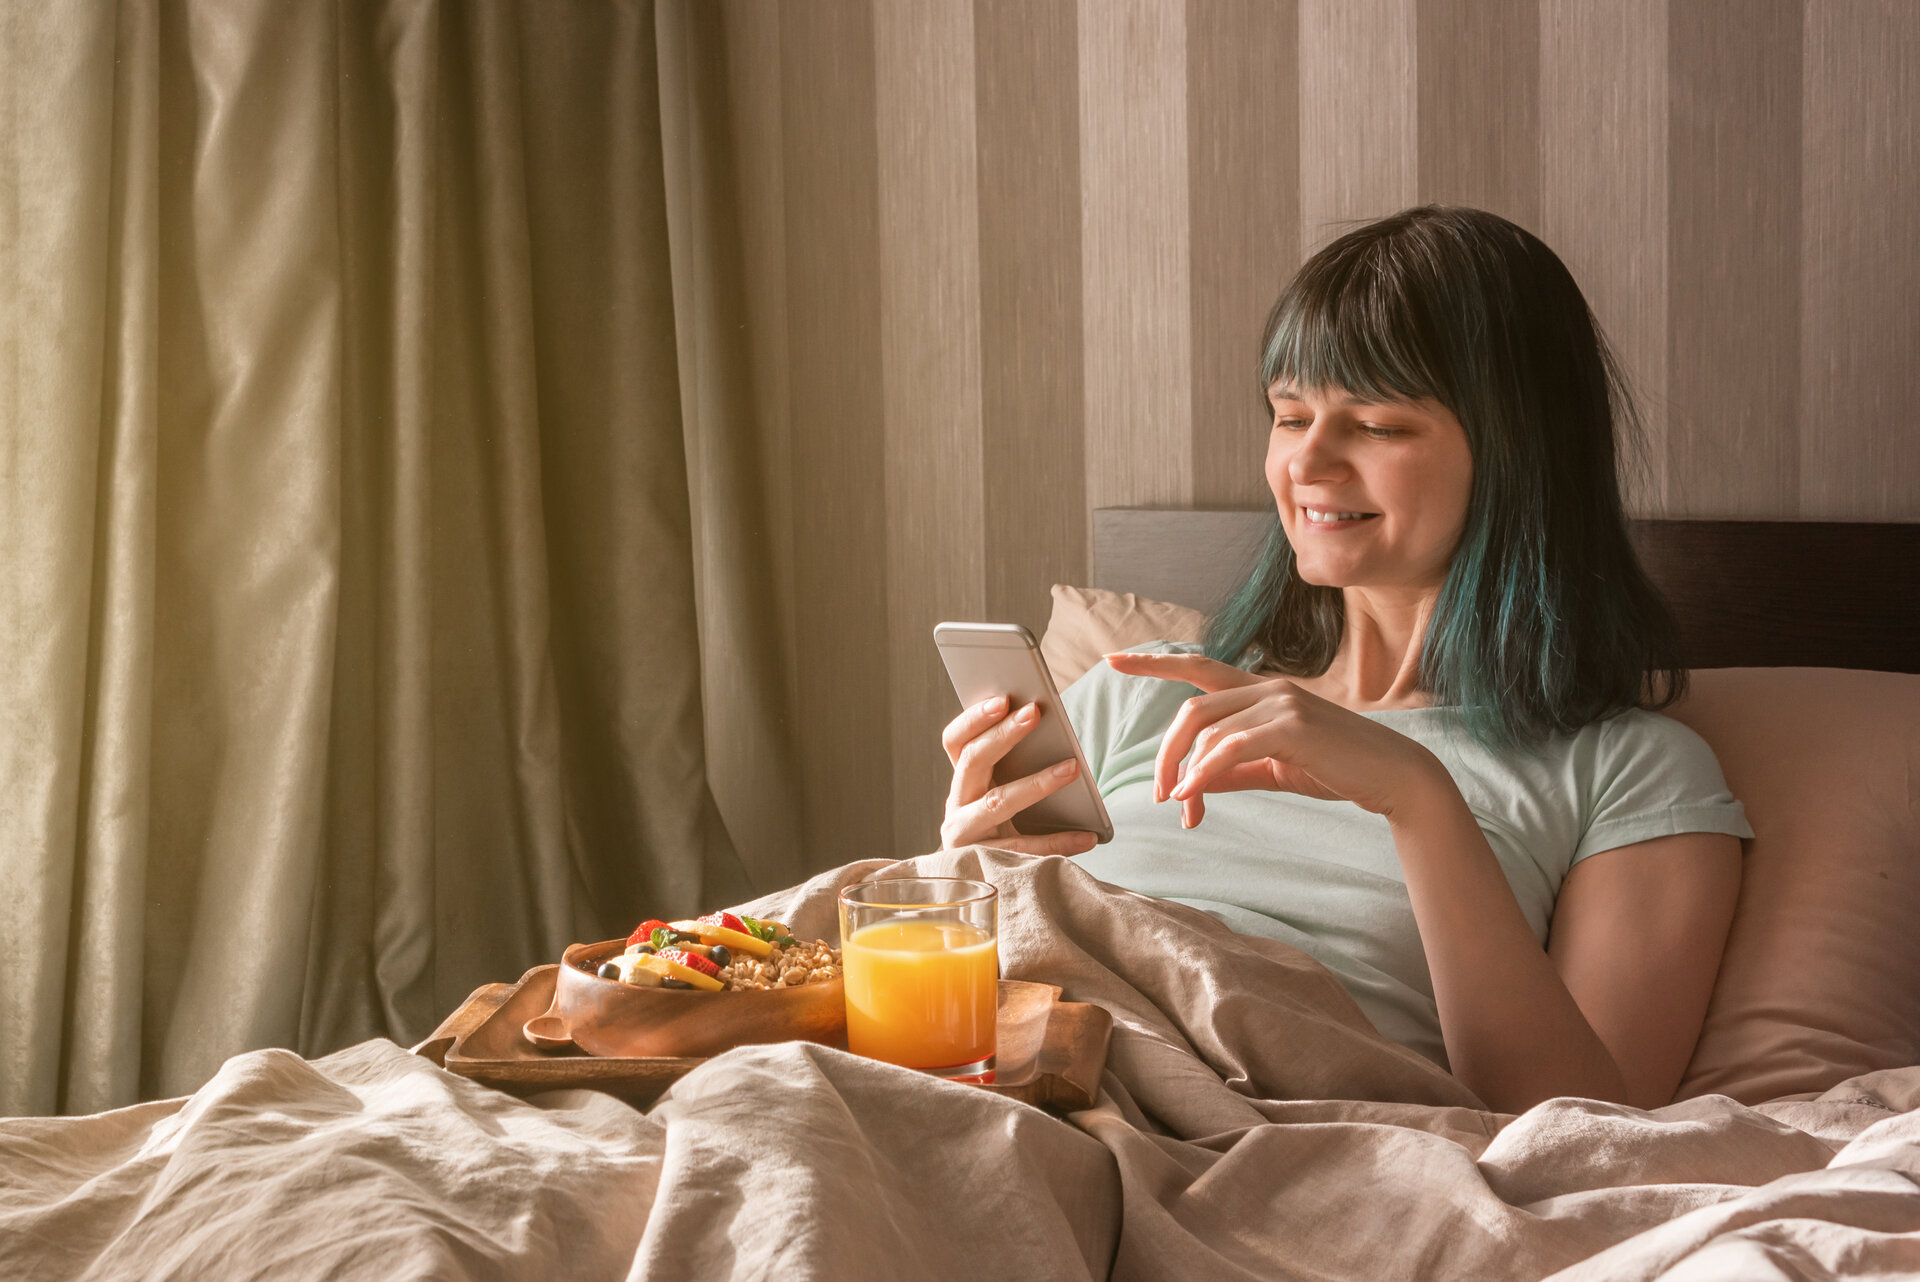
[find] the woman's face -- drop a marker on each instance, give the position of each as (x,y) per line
(1370,495)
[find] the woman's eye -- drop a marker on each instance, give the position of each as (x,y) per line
(1378,432)
(1293,424)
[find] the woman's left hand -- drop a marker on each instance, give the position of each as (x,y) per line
(1246,732)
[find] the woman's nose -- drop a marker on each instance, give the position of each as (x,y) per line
(1315,458)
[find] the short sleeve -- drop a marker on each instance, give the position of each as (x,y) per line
(1652,777)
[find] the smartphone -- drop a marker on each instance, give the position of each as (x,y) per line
(988,659)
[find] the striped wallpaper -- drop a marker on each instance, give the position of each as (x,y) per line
(1004,261)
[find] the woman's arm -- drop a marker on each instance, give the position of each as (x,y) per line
(1612,1008)
(1637,937)
(1609,1011)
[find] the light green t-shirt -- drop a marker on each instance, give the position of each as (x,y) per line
(1324,876)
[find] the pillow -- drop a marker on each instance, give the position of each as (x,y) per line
(1821,978)
(1090,622)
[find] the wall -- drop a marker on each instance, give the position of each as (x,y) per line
(1005,261)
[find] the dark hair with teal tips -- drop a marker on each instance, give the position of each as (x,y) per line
(1545,622)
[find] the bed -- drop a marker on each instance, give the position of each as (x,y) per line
(1251,1125)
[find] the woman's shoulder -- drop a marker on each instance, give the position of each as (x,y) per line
(1639,733)
(1620,750)
(1646,760)
(1634,758)
(1643,764)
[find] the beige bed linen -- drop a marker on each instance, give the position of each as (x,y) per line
(1252,1126)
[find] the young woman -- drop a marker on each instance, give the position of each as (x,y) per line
(1422,747)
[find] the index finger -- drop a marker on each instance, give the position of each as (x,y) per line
(1210,675)
(1194,716)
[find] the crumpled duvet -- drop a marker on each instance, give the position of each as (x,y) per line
(1252,1125)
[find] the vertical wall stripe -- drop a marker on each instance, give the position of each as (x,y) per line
(1733,317)
(1358,136)
(1479,105)
(1859,448)
(839,443)
(1243,150)
(1027,73)
(1135,283)
(1603,176)
(930,359)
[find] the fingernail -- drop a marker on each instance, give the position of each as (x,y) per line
(996,704)
(1066,768)
(1028,715)
(1183,820)
(1159,794)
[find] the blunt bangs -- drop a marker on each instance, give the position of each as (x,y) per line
(1346,324)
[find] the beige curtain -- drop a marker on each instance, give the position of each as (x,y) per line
(353,598)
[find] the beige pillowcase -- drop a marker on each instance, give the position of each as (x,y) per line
(1090,622)
(1821,978)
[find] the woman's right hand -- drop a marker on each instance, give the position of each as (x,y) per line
(977,811)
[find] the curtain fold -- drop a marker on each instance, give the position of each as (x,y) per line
(353,592)
(77,390)
(729,319)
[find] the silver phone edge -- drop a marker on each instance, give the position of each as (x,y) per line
(1102,834)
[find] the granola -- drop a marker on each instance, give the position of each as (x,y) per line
(721,952)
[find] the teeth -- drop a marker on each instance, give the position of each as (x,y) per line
(1322,518)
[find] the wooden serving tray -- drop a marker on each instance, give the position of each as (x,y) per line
(1050,1052)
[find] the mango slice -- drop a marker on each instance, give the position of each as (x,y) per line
(733,939)
(670,969)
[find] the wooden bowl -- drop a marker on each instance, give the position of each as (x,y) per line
(622,1021)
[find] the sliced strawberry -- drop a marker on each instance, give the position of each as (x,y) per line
(725,920)
(644,931)
(675,967)
(692,961)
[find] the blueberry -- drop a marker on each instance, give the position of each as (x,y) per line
(610,970)
(676,983)
(720,956)
(643,948)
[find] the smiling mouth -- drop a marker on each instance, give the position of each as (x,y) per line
(1323,516)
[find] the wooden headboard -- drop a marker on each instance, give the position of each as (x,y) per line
(1757,594)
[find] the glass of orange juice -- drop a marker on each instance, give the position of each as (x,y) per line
(921,962)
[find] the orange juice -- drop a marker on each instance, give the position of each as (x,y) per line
(921,993)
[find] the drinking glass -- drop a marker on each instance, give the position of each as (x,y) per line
(920,957)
